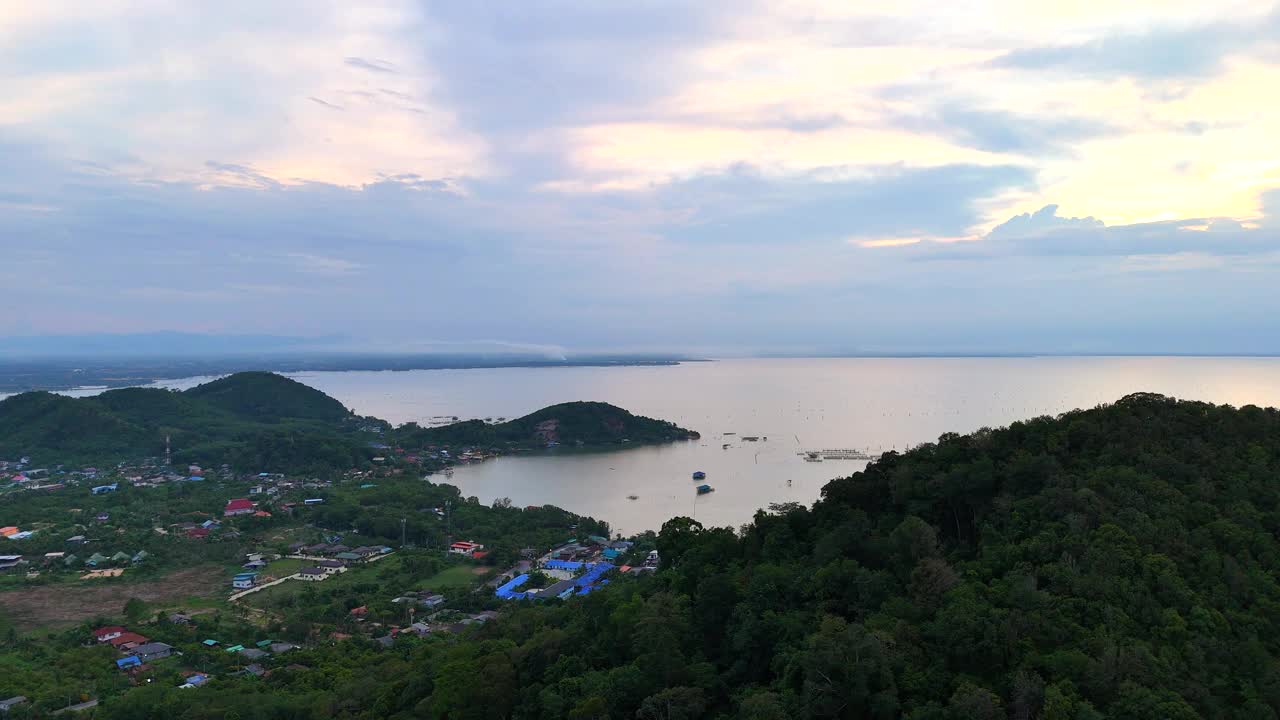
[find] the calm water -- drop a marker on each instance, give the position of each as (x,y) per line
(873,404)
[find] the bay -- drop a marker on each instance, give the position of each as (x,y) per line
(874,404)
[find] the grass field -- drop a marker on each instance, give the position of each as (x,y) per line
(63,604)
(456,576)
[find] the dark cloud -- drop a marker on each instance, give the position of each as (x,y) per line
(1164,54)
(1002,131)
(1045,234)
(746,206)
(380,66)
(329,105)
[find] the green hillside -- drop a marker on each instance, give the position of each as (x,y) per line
(258,419)
(1115,563)
(572,423)
(269,397)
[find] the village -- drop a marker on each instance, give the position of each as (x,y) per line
(274,553)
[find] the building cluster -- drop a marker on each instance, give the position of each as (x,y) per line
(137,653)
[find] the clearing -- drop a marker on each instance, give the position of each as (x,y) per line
(62,604)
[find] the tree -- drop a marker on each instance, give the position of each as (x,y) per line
(135,610)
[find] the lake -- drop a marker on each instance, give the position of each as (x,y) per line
(798,404)
(872,404)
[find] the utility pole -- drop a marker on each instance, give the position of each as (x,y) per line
(402,521)
(448,524)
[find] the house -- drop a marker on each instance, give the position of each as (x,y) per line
(466,548)
(198,533)
(254,565)
(239,506)
(7,705)
(210,643)
(235,648)
(7,531)
(76,540)
(244,581)
(128,640)
(102,517)
(151,651)
(70,560)
(562,589)
(313,501)
(110,632)
(8,562)
(194,680)
(128,663)
(385,641)
(331,566)
(54,557)
(101,489)
(179,618)
(96,559)
(140,556)
(121,557)
(282,647)
(312,574)
(359,612)
(254,653)
(255,490)
(255,670)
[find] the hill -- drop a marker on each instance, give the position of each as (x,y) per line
(572,423)
(237,418)
(1119,562)
(269,397)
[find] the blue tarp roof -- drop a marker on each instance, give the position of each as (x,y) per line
(563,565)
(507,591)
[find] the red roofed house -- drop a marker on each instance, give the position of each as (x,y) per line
(127,640)
(465,548)
(262,513)
(239,506)
(198,532)
(109,632)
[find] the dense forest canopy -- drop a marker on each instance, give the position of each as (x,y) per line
(1118,562)
(585,423)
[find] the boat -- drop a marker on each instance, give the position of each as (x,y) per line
(812,457)
(845,454)
(704,489)
(633,497)
(750,438)
(699,475)
(725,446)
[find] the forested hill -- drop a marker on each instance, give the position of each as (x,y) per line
(238,410)
(1112,563)
(573,423)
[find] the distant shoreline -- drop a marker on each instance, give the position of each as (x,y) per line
(64,375)
(71,375)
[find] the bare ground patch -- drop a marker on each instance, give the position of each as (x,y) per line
(64,604)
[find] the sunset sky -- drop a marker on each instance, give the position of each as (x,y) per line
(732,177)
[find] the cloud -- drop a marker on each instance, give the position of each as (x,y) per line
(380,66)
(321,265)
(1164,53)
(1003,131)
(323,103)
(1181,244)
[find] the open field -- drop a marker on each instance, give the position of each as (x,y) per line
(62,604)
(456,576)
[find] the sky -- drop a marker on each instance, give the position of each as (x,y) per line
(718,178)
